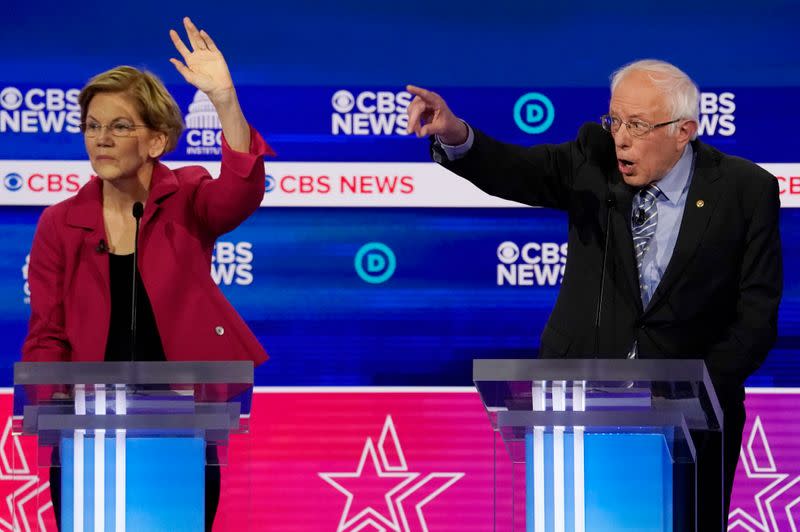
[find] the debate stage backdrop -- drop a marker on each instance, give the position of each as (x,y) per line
(372,276)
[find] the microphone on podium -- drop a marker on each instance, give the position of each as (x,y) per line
(610,203)
(138,211)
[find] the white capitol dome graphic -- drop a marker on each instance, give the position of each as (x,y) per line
(202,114)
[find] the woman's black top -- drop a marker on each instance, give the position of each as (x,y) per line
(148,341)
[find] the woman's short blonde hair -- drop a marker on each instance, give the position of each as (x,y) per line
(155,104)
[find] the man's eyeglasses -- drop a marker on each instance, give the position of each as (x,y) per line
(117,129)
(637,128)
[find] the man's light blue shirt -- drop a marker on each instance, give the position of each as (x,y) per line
(671,201)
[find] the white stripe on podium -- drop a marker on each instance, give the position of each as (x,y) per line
(559,405)
(99,461)
(579,405)
(77,461)
(120,409)
(539,403)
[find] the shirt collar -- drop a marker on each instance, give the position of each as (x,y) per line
(674,183)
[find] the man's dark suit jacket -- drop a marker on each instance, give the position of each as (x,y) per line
(718,298)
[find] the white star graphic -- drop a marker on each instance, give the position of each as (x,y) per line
(408,490)
(28,488)
(765,498)
(439,482)
(401,480)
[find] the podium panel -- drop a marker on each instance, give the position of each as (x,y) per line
(132,440)
(596,445)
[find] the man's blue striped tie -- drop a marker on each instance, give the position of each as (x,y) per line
(645,219)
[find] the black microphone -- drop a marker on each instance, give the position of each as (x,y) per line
(138,211)
(611,202)
(101,246)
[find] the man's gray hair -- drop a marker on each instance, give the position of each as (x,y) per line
(683,97)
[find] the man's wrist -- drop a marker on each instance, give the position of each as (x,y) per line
(456,141)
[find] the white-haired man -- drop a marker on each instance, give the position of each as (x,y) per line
(694,258)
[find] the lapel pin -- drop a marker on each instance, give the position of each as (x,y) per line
(700,203)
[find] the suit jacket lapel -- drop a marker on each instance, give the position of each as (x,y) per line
(162,186)
(700,203)
(86,215)
(622,240)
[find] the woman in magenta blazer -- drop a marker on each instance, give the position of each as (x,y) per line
(129,122)
(81,265)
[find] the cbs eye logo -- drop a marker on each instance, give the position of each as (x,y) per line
(343,101)
(375,263)
(508,252)
(269,183)
(13,181)
(10,98)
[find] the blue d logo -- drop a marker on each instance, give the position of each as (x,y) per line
(534,113)
(375,263)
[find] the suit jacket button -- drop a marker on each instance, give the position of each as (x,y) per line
(219,330)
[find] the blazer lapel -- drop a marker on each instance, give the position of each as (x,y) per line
(622,240)
(163,185)
(86,213)
(700,203)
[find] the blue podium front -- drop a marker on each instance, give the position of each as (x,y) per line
(141,483)
(627,482)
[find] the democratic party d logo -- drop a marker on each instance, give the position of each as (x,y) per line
(375,263)
(534,113)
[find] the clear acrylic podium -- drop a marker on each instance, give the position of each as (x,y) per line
(598,445)
(132,438)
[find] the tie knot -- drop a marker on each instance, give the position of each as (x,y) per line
(649,193)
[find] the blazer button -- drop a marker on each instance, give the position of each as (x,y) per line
(219,330)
